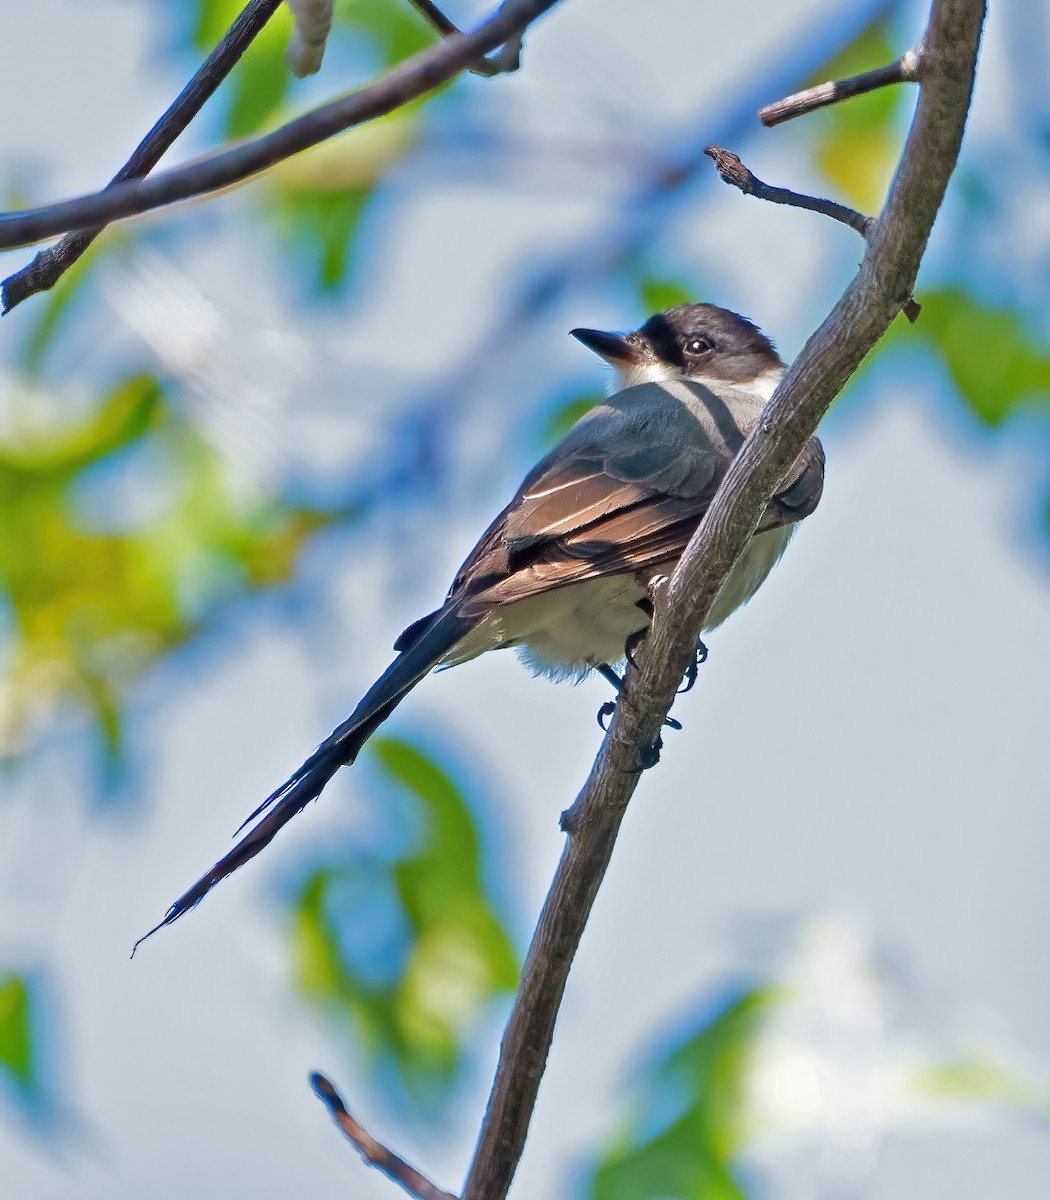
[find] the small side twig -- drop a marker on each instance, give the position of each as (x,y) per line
(375,1153)
(737,175)
(904,70)
(49,265)
(503,61)
(733,172)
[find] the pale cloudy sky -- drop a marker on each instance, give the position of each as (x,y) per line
(867,737)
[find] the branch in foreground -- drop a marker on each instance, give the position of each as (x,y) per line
(503,62)
(905,70)
(375,1153)
(733,172)
(883,284)
(409,80)
(49,265)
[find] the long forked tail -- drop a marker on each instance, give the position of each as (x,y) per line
(433,639)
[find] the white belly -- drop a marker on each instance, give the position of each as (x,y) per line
(566,632)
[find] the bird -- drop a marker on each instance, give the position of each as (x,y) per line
(564,573)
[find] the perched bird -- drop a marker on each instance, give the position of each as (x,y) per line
(563,573)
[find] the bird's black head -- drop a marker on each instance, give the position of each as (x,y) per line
(699,342)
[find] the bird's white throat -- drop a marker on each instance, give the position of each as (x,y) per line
(634,375)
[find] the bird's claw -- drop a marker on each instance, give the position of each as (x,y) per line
(632,644)
(693,669)
(650,756)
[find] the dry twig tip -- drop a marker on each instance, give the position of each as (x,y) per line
(375,1153)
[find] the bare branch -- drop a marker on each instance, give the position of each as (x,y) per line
(375,1153)
(737,175)
(733,172)
(45,270)
(905,70)
(504,61)
(831,355)
(409,80)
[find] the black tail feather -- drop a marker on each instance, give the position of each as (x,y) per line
(340,749)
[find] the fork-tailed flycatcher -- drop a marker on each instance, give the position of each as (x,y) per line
(563,572)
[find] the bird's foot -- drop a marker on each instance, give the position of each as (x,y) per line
(650,756)
(609,707)
(605,712)
(689,678)
(632,644)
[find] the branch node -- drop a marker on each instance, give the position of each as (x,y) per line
(503,61)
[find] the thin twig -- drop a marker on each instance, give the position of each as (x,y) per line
(885,280)
(375,1153)
(737,175)
(48,266)
(905,70)
(409,80)
(504,61)
(733,172)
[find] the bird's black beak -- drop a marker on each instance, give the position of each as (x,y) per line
(615,348)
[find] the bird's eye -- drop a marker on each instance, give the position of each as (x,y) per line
(697,346)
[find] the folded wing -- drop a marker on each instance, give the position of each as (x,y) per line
(623,492)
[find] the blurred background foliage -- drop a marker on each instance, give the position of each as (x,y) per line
(763,1059)
(316,201)
(17,1058)
(701,1080)
(405,942)
(125,535)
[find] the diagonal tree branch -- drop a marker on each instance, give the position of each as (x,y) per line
(415,77)
(375,1153)
(883,284)
(45,270)
(905,70)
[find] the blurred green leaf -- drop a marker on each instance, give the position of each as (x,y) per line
(856,142)
(976,1079)
(566,414)
(318,197)
(453,955)
(260,80)
(656,294)
(994,361)
(397,30)
(16,1034)
(700,1082)
(322,223)
(257,84)
(93,607)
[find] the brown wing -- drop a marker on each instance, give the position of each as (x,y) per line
(624,491)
